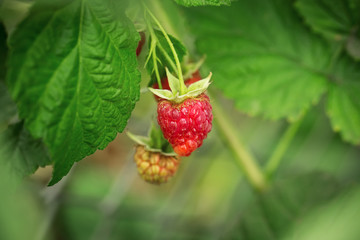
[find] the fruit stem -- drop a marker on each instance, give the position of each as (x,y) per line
(153,51)
(243,157)
(285,141)
(158,79)
(155,43)
(168,58)
(178,65)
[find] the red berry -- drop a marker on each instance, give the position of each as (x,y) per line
(140,44)
(165,83)
(185,125)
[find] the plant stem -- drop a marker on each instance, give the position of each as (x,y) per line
(178,65)
(281,148)
(153,51)
(166,55)
(243,157)
(168,58)
(154,44)
(156,71)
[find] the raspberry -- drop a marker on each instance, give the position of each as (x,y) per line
(155,167)
(185,125)
(140,44)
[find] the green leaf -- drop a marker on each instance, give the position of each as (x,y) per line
(73,73)
(343,106)
(279,71)
(333,19)
(284,206)
(337,20)
(8,107)
(163,61)
(21,153)
(3,51)
(262,56)
(195,3)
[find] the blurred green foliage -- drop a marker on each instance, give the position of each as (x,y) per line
(293,58)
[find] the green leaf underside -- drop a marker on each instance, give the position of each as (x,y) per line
(270,64)
(73,73)
(162,61)
(338,20)
(284,206)
(195,3)
(23,154)
(273,65)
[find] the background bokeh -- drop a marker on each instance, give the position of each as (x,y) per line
(314,195)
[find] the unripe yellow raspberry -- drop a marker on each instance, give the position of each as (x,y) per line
(155,167)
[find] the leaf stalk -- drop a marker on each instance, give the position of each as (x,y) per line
(281,148)
(244,159)
(177,61)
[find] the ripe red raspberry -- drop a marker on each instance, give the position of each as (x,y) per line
(165,83)
(155,167)
(140,44)
(185,125)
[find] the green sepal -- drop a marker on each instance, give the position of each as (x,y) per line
(174,83)
(192,90)
(155,142)
(200,86)
(163,93)
(141,140)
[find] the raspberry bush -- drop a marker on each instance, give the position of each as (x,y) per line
(259,99)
